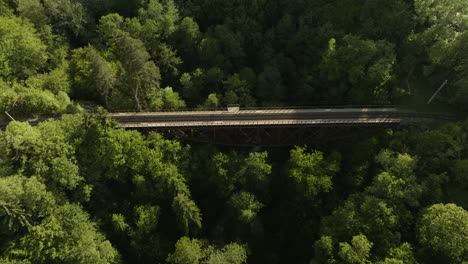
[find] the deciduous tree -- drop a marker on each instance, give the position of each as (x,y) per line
(442,232)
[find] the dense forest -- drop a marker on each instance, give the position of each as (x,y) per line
(75,189)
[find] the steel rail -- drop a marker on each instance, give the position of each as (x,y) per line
(273,118)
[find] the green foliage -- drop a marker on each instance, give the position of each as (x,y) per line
(245,206)
(361,200)
(396,190)
(401,165)
(368,215)
(25,102)
(230,254)
(55,81)
(142,75)
(231,172)
(402,254)
(256,171)
(22,53)
(310,173)
(119,223)
(188,214)
(357,252)
(200,84)
(45,152)
(194,251)
(13,218)
(384,208)
(111,27)
(366,65)
(21,101)
(187,251)
(270,85)
(92,75)
(446,22)
(5,10)
(168,100)
(34,11)
(442,39)
(186,39)
(323,250)
(391,20)
(442,231)
(57,49)
(460,171)
(211,102)
(27,196)
(13,261)
(157,23)
(67,16)
(66,236)
(147,219)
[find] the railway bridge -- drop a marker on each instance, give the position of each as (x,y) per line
(272,127)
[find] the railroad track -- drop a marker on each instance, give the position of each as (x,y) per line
(273,117)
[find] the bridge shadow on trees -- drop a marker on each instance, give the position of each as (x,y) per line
(269,136)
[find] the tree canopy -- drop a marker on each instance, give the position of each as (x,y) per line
(75,189)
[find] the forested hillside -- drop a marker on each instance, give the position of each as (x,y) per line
(164,54)
(77,190)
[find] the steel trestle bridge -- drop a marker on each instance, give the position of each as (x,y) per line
(272,127)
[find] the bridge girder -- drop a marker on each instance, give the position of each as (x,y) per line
(267,136)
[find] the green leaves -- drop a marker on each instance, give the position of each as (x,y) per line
(44,151)
(187,251)
(92,75)
(357,252)
(118,220)
(230,254)
(55,81)
(66,236)
(147,219)
(245,206)
(358,67)
(144,190)
(12,217)
(69,17)
(188,214)
(402,254)
(443,37)
(310,173)
(65,172)
(232,171)
(400,165)
(442,232)
(194,251)
(34,11)
(22,53)
(167,100)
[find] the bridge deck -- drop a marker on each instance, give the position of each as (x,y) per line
(259,111)
(270,118)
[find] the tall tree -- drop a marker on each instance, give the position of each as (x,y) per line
(67,235)
(92,77)
(22,53)
(310,173)
(188,214)
(442,233)
(141,75)
(68,17)
(360,70)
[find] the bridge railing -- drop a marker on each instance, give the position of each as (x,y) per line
(258,108)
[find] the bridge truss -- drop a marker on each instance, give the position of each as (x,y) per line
(273,127)
(266,136)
